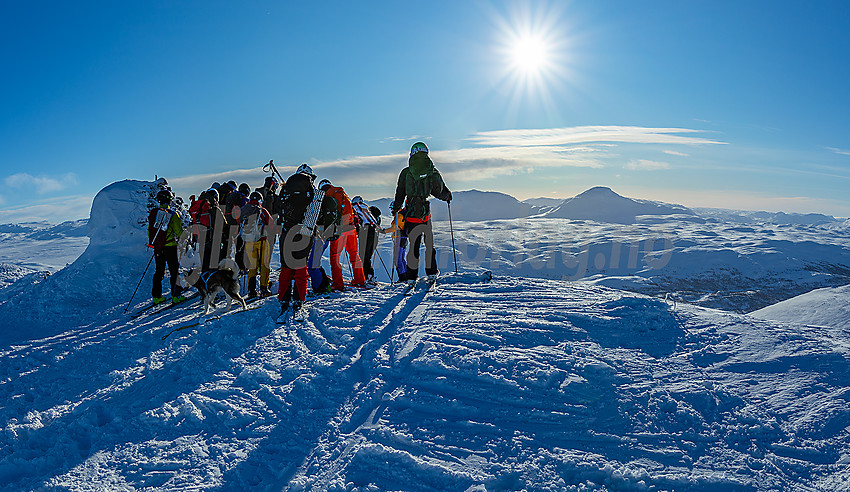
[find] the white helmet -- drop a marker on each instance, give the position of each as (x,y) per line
(324,182)
(305,169)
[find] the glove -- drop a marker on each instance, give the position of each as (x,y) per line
(449,198)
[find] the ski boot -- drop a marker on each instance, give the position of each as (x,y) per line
(252,287)
(158,300)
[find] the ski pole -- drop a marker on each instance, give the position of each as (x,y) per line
(140,282)
(451,228)
(378,251)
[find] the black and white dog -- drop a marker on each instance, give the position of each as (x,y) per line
(225,279)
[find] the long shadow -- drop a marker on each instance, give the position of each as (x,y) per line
(311,407)
(118,411)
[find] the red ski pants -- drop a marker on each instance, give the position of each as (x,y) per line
(348,242)
(284,288)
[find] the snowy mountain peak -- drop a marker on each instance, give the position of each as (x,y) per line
(599,192)
(602,204)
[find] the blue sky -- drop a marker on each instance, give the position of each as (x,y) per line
(722,104)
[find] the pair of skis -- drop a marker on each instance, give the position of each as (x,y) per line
(431,285)
(289,316)
(163,306)
(251,303)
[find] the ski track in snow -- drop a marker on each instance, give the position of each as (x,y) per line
(511,384)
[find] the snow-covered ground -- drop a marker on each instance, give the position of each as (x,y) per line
(518,383)
(828,307)
(42,246)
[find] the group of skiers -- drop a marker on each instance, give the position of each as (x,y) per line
(230,220)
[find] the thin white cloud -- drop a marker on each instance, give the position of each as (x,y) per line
(590,134)
(646,165)
(53,210)
(41,184)
(676,153)
(412,139)
(838,151)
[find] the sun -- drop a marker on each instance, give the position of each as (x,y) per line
(529,55)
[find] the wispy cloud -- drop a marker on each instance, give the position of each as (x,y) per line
(495,154)
(41,184)
(676,153)
(590,134)
(838,151)
(646,165)
(411,139)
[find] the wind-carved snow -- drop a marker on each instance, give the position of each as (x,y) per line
(506,385)
(516,383)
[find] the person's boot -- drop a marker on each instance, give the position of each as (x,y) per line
(252,287)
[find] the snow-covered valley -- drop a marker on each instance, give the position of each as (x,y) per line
(577,367)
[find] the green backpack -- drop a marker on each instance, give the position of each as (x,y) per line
(420,176)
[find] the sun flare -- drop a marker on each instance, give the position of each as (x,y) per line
(529,55)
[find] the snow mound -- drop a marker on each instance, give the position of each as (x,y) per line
(602,204)
(101,279)
(822,307)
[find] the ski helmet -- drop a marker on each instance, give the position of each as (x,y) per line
(418,147)
(323,183)
(376,212)
(271,183)
(357,199)
(306,169)
(216,185)
(256,195)
(212,193)
(164,196)
(244,188)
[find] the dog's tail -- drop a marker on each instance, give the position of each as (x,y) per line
(229,264)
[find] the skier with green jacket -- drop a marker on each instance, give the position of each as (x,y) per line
(419,180)
(164,231)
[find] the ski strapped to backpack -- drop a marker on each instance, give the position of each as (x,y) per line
(311,216)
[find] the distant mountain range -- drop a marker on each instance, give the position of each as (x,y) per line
(42,231)
(599,204)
